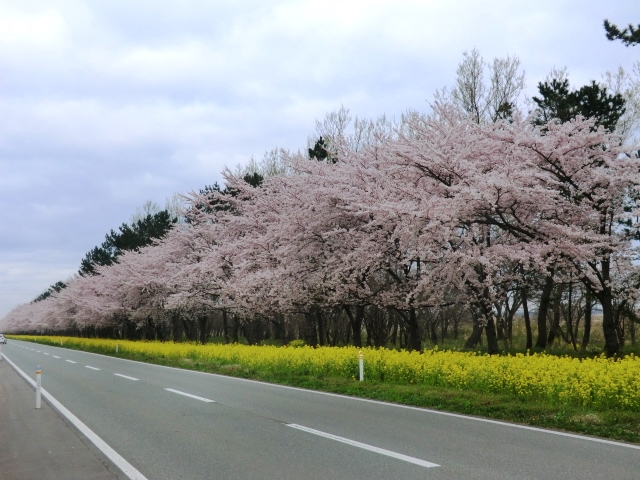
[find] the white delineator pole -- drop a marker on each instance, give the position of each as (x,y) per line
(361,362)
(38,386)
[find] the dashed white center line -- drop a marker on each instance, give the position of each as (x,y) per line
(92,368)
(125,376)
(46,353)
(70,361)
(202,399)
(55,356)
(371,448)
(38,351)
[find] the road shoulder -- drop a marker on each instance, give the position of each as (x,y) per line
(38,443)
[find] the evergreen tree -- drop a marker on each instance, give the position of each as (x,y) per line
(629,36)
(557,101)
(319,151)
(56,287)
(129,237)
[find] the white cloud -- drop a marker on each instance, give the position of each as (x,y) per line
(25,276)
(43,30)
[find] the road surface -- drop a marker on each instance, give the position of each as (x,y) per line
(170,423)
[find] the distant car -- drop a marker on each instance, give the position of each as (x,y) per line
(2,339)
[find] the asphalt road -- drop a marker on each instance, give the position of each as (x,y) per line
(176,424)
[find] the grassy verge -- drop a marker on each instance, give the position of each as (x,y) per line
(616,423)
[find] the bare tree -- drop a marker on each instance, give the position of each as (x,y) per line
(273,163)
(341,131)
(628,85)
(487,101)
(148,208)
(176,206)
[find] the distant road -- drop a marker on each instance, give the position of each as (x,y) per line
(175,424)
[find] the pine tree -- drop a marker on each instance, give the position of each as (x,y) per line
(629,36)
(129,237)
(557,101)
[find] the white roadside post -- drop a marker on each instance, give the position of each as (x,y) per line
(38,386)
(361,362)
(116,347)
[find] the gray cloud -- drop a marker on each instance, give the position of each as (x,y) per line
(105,105)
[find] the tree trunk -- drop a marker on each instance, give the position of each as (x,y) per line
(176,328)
(432,328)
(509,338)
(311,333)
(413,330)
(492,337)
(588,306)
(500,325)
(321,329)
(486,309)
(394,333)
(570,328)
(356,323)
(235,329)
(278,327)
(527,320)
(555,323)
(545,298)
(225,326)
(203,329)
(619,322)
(189,330)
(476,333)
(611,345)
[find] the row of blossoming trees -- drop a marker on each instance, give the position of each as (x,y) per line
(440,213)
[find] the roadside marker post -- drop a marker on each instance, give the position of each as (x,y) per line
(116,347)
(38,387)
(361,362)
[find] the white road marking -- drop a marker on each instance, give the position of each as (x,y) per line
(38,351)
(129,470)
(46,353)
(125,376)
(55,356)
(371,448)
(92,368)
(202,399)
(70,361)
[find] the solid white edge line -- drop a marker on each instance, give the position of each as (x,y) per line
(129,470)
(364,446)
(126,376)
(202,399)
(92,368)
(388,404)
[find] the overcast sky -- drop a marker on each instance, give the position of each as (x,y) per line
(105,104)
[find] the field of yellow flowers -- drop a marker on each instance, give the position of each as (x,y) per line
(596,382)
